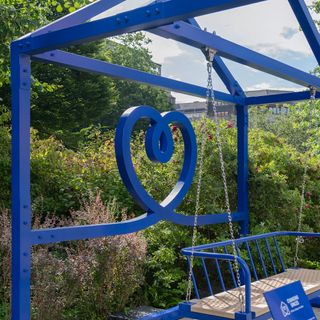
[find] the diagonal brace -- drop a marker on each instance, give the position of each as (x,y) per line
(147,17)
(308,26)
(195,37)
(79,16)
(222,70)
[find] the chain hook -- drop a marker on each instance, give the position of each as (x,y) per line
(313,92)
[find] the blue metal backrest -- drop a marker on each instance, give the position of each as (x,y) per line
(261,253)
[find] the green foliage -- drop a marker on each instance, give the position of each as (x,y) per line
(64,106)
(62,98)
(61,177)
(5,161)
(88,279)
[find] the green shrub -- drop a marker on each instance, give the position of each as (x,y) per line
(87,279)
(61,177)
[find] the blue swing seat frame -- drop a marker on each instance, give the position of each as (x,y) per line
(267,249)
(173,19)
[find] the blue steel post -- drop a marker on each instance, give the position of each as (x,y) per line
(243,196)
(21,204)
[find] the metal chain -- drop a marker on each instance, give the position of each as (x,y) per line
(197,207)
(299,239)
(226,193)
(212,109)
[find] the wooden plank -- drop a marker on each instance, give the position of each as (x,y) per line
(225,304)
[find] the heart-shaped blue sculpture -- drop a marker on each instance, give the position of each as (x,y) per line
(159,148)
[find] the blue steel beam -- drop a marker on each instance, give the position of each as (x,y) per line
(307,25)
(78,62)
(282,97)
(45,236)
(243,167)
(222,70)
(21,202)
(79,16)
(226,76)
(147,17)
(195,37)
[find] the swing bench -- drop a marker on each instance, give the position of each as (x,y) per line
(262,269)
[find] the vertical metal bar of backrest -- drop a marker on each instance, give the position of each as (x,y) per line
(223,287)
(21,199)
(230,268)
(279,254)
(193,280)
(261,259)
(252,263)
(270,256)
(206,275)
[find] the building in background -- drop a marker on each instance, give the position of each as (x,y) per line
(194,110)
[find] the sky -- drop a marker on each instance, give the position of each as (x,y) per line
(269,27)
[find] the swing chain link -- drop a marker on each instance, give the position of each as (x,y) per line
(212,110)
(225,186)
(300,239)
(203,127)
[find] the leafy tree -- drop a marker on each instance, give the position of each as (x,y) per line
(66,100)
(130,51)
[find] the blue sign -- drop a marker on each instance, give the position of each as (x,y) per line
(289,303)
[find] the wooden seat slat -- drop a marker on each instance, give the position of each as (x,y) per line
(226,304)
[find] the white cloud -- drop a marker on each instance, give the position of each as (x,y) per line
(288,32)
(269,86)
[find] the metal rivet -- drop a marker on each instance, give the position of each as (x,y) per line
(51,54)
(126,18)
(25,70)
(157,10)
(148,13)
(177,26)
(25,223)
(118,20)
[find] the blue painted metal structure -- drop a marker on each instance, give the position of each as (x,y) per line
(169,18)
(270,262)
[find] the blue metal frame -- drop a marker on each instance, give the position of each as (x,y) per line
(161,18)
